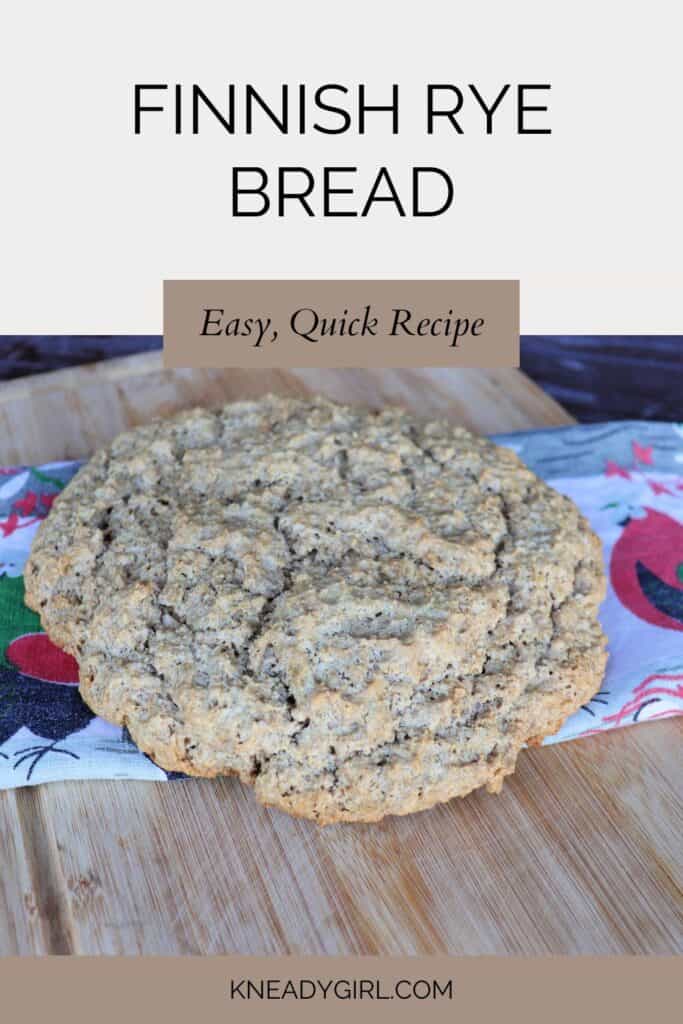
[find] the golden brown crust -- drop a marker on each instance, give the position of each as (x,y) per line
(357,613)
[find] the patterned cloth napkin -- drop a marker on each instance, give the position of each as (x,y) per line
(627,478)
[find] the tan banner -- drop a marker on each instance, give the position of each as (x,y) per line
(565,990)
(341,323)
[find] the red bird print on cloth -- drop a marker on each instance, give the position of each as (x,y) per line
(35,655)
(614,469)
(646,569)
(642,453)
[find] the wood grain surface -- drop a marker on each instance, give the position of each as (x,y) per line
(580,853)
(596,377)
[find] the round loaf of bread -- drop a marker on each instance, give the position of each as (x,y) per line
(357,612)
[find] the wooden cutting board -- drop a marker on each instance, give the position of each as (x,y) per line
(579,853)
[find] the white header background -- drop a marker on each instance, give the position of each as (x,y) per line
(590,218)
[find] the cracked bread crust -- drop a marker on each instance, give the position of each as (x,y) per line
(358,613)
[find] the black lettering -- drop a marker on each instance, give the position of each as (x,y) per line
(401,318)
(178,109)
(489,111)
(301,195)
(523,108)
(432,113)
(238,191)
(418,173)
(328,191)
(343,989)
(209,320)
(393,197)
(302,109)
(139,108)
(298,330)
(366,108)
(307,985)
(380,993)
(322,105)
(228,122)
(369,323)
(425,988)
(400,989)
(461,327)
(251,97)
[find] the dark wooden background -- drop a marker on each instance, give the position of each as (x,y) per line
(595,378)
